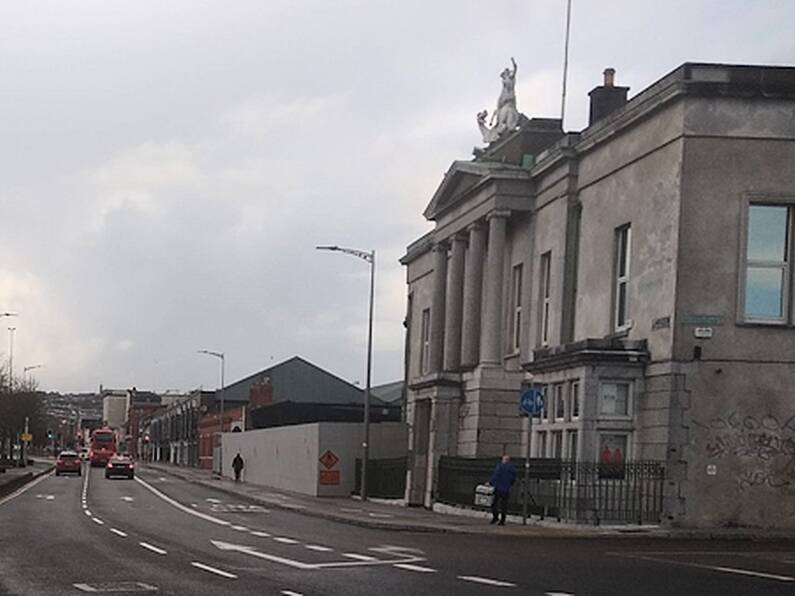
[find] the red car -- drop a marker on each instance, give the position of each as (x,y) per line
(120,465)
(68,461)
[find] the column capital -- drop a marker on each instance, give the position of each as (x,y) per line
(476,225)
(502,213)
(441,245)
(459,237)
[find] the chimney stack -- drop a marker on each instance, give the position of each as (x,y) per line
(606,98)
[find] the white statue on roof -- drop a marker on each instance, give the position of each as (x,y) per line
(506,114)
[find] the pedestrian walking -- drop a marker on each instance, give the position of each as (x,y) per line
(502,480)
(237,466)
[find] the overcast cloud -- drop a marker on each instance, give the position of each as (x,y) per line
(166,168)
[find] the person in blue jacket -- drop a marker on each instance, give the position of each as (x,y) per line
(502,480)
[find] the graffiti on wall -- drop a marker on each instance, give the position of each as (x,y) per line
(765,444)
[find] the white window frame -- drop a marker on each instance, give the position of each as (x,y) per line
(785,266)
(516,307)
(574,397)
(558,397)
(541,443)
(629,384)
(621,277)
(425,341)
(545,302)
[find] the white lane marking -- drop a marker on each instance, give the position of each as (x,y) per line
(50,497)
(318,548)
(119,532)
(735,570)
(558,594)
(291,593)
(96,520)
(359,557)
(84,505)
(128,499)
(87,512)
(486,581)
(27,487)
(85,587)
(154,549)
(226,546)
(213,500)
(215,570)
(260,534)
(419,568)
(381,515)
(284,540)
(181,507)
(240,528)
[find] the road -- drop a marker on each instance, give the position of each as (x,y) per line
(70,535)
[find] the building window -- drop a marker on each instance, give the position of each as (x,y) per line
(516,308)
(574,399)
(612,448)
(614,399)
(572,454)
(767,263)
(557,444)
(541,450)
(545,408)
(425,350)
(546,290)
(560,405)
(623,247)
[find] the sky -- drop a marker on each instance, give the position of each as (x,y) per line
(167,168)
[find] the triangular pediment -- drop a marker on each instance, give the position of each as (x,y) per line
(459,180)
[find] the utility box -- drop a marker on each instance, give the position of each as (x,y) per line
(484,495)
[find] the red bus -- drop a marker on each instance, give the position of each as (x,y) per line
(103,446)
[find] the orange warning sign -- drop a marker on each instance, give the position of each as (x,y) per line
(329,477)
(328,459)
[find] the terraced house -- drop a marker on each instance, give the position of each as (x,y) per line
(640,270)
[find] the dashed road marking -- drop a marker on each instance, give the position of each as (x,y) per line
(318,548)
(359,557)
(154,549)
(419,568)
(734,570)
(285,540)
(96,520)
(128,499)
(260,534)
(558,594)
(215,570)
(240,528)
(209,500)
(87,512)
(119,532)
(291,593)
(181,507)
(486,581)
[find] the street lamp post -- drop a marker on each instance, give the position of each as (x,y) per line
(368,257)
(11,331)
(27,369)
(220,356)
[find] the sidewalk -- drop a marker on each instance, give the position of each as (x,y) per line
(14,478)
(380,515)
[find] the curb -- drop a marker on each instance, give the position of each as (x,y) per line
(15,484)
(513,531)
(365,523)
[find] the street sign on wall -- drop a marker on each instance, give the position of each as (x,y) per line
(531,401)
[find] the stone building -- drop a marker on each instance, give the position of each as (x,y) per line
(640,270)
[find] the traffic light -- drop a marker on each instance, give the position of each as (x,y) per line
(49,434)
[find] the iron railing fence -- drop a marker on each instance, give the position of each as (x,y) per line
(585,492)
(386,478)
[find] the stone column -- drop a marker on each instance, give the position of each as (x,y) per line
(437,306)
(491,331)
(453,306)
(473,290)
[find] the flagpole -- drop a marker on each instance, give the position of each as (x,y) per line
(565,61)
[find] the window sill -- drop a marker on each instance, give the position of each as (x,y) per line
(766,324)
